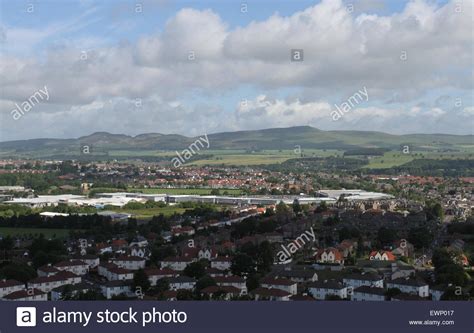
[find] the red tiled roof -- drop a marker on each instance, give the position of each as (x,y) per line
(107,265)
(267,292)
(119,242)
(177,259)
(346,243)
(337,254)
(390,255)
(24,293)
(190,252)
(229,279)
(170,294)
(68,263)
(10,283)
(278,282)
(160,272)
(226,289)
(48,269)
(129,258)
(61,276)
(119,270)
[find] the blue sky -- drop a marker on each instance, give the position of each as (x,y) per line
(102,15)
(98,58)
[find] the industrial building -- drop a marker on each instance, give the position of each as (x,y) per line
(119,199)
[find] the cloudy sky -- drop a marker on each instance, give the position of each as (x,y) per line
(194,67)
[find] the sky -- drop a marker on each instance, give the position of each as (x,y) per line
(195,67)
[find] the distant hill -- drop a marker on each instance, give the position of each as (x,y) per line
(266,139)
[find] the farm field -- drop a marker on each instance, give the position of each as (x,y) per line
(392,159)
(241,157)
(245,159)
(388,160)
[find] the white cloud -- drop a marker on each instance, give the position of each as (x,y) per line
(469,111)
(197,53)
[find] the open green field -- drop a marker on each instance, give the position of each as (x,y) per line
(195,191)
(242,157)
(246,159)
(392,159)
(388,160)
(239,157)
(135,153)
(48,233)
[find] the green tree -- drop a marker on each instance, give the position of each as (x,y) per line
(441,257)
(16,271)
(185,295)
(434,211)
(159,253)
(264,257)
(454,294)
(447,271)
(242,264)
(140,280)
(6,243)
(322,207)
(66,293)
(282,211)
(392,292)
(90,295)
(162,285)
(196,269)
(253,282)
(41,259)
(67,167)
(451,273)
(386,236)
(296,206)
(204,282)
(420,237)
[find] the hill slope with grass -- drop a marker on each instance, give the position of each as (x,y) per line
(305,137)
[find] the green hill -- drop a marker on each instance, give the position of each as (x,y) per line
(306,137)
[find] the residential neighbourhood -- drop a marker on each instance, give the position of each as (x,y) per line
(188,166)
(367,245)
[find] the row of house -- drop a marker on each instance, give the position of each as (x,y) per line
(368,287)
(180,263)
(337,255)
(52,279)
